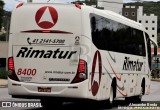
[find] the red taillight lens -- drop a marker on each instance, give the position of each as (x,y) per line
(19,5)
(81,68)
(11,71)
(78,6)
(81,72)
(10,63)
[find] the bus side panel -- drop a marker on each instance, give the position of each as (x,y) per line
(87,46)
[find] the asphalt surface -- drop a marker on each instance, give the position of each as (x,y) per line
(153,100)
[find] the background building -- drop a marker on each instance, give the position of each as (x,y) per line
(149,21)
(113,5)
(150,24)
(130,12)
(3,54)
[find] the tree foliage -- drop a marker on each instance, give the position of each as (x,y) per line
(1,12)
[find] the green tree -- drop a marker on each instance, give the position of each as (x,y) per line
(1,12)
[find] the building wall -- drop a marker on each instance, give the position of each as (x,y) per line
(150,24)
(148,21)
(3,54)
(140,11)
(130,12)
(113,5)
(3,49)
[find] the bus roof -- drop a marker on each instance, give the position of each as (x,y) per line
(119,18)
(106,13)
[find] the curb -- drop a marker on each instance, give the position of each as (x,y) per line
(3,83)
(3,86)
(158,80)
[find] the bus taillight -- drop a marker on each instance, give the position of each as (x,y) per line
(78,6)
(81,72)
(19,5)
(10,64)
(11,71)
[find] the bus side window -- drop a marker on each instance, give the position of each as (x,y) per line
(93,24)
(111,35)
(94,31)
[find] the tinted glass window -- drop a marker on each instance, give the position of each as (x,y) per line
(113,36)
(2,62)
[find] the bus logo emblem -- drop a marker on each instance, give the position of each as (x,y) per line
(46,17)
(96,84)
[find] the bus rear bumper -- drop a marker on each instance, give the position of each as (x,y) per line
(22,89)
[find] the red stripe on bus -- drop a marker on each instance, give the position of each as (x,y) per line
(119,78)
(122,93)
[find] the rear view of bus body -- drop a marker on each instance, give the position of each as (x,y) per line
(67,52)
(44,57)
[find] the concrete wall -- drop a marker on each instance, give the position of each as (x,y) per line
(149,22)
(3,49)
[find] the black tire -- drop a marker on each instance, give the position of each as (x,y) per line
(138,99)
(47,104)
(128,100)
(135,99)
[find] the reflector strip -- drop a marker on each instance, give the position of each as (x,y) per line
(47,31)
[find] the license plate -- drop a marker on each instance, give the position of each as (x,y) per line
(44,89)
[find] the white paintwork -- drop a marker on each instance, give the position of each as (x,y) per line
(23,19)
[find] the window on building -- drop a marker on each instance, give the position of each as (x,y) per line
(146,28)
(110,35)
(152,35)
(140,21)
(153,21)
(126,13)
(146,21)
(2,62)
(133,13)
(153,28)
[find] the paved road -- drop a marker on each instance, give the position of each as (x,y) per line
(153,98)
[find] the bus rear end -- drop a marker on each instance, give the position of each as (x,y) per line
(44,52)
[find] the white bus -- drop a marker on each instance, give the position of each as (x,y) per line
(61,52)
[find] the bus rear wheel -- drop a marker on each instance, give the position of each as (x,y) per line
(138,98)
(48,103)
(135,99)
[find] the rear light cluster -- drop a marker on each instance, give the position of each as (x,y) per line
(19,5)
(10,63)
(81,72)
(11,70)
(78,6)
